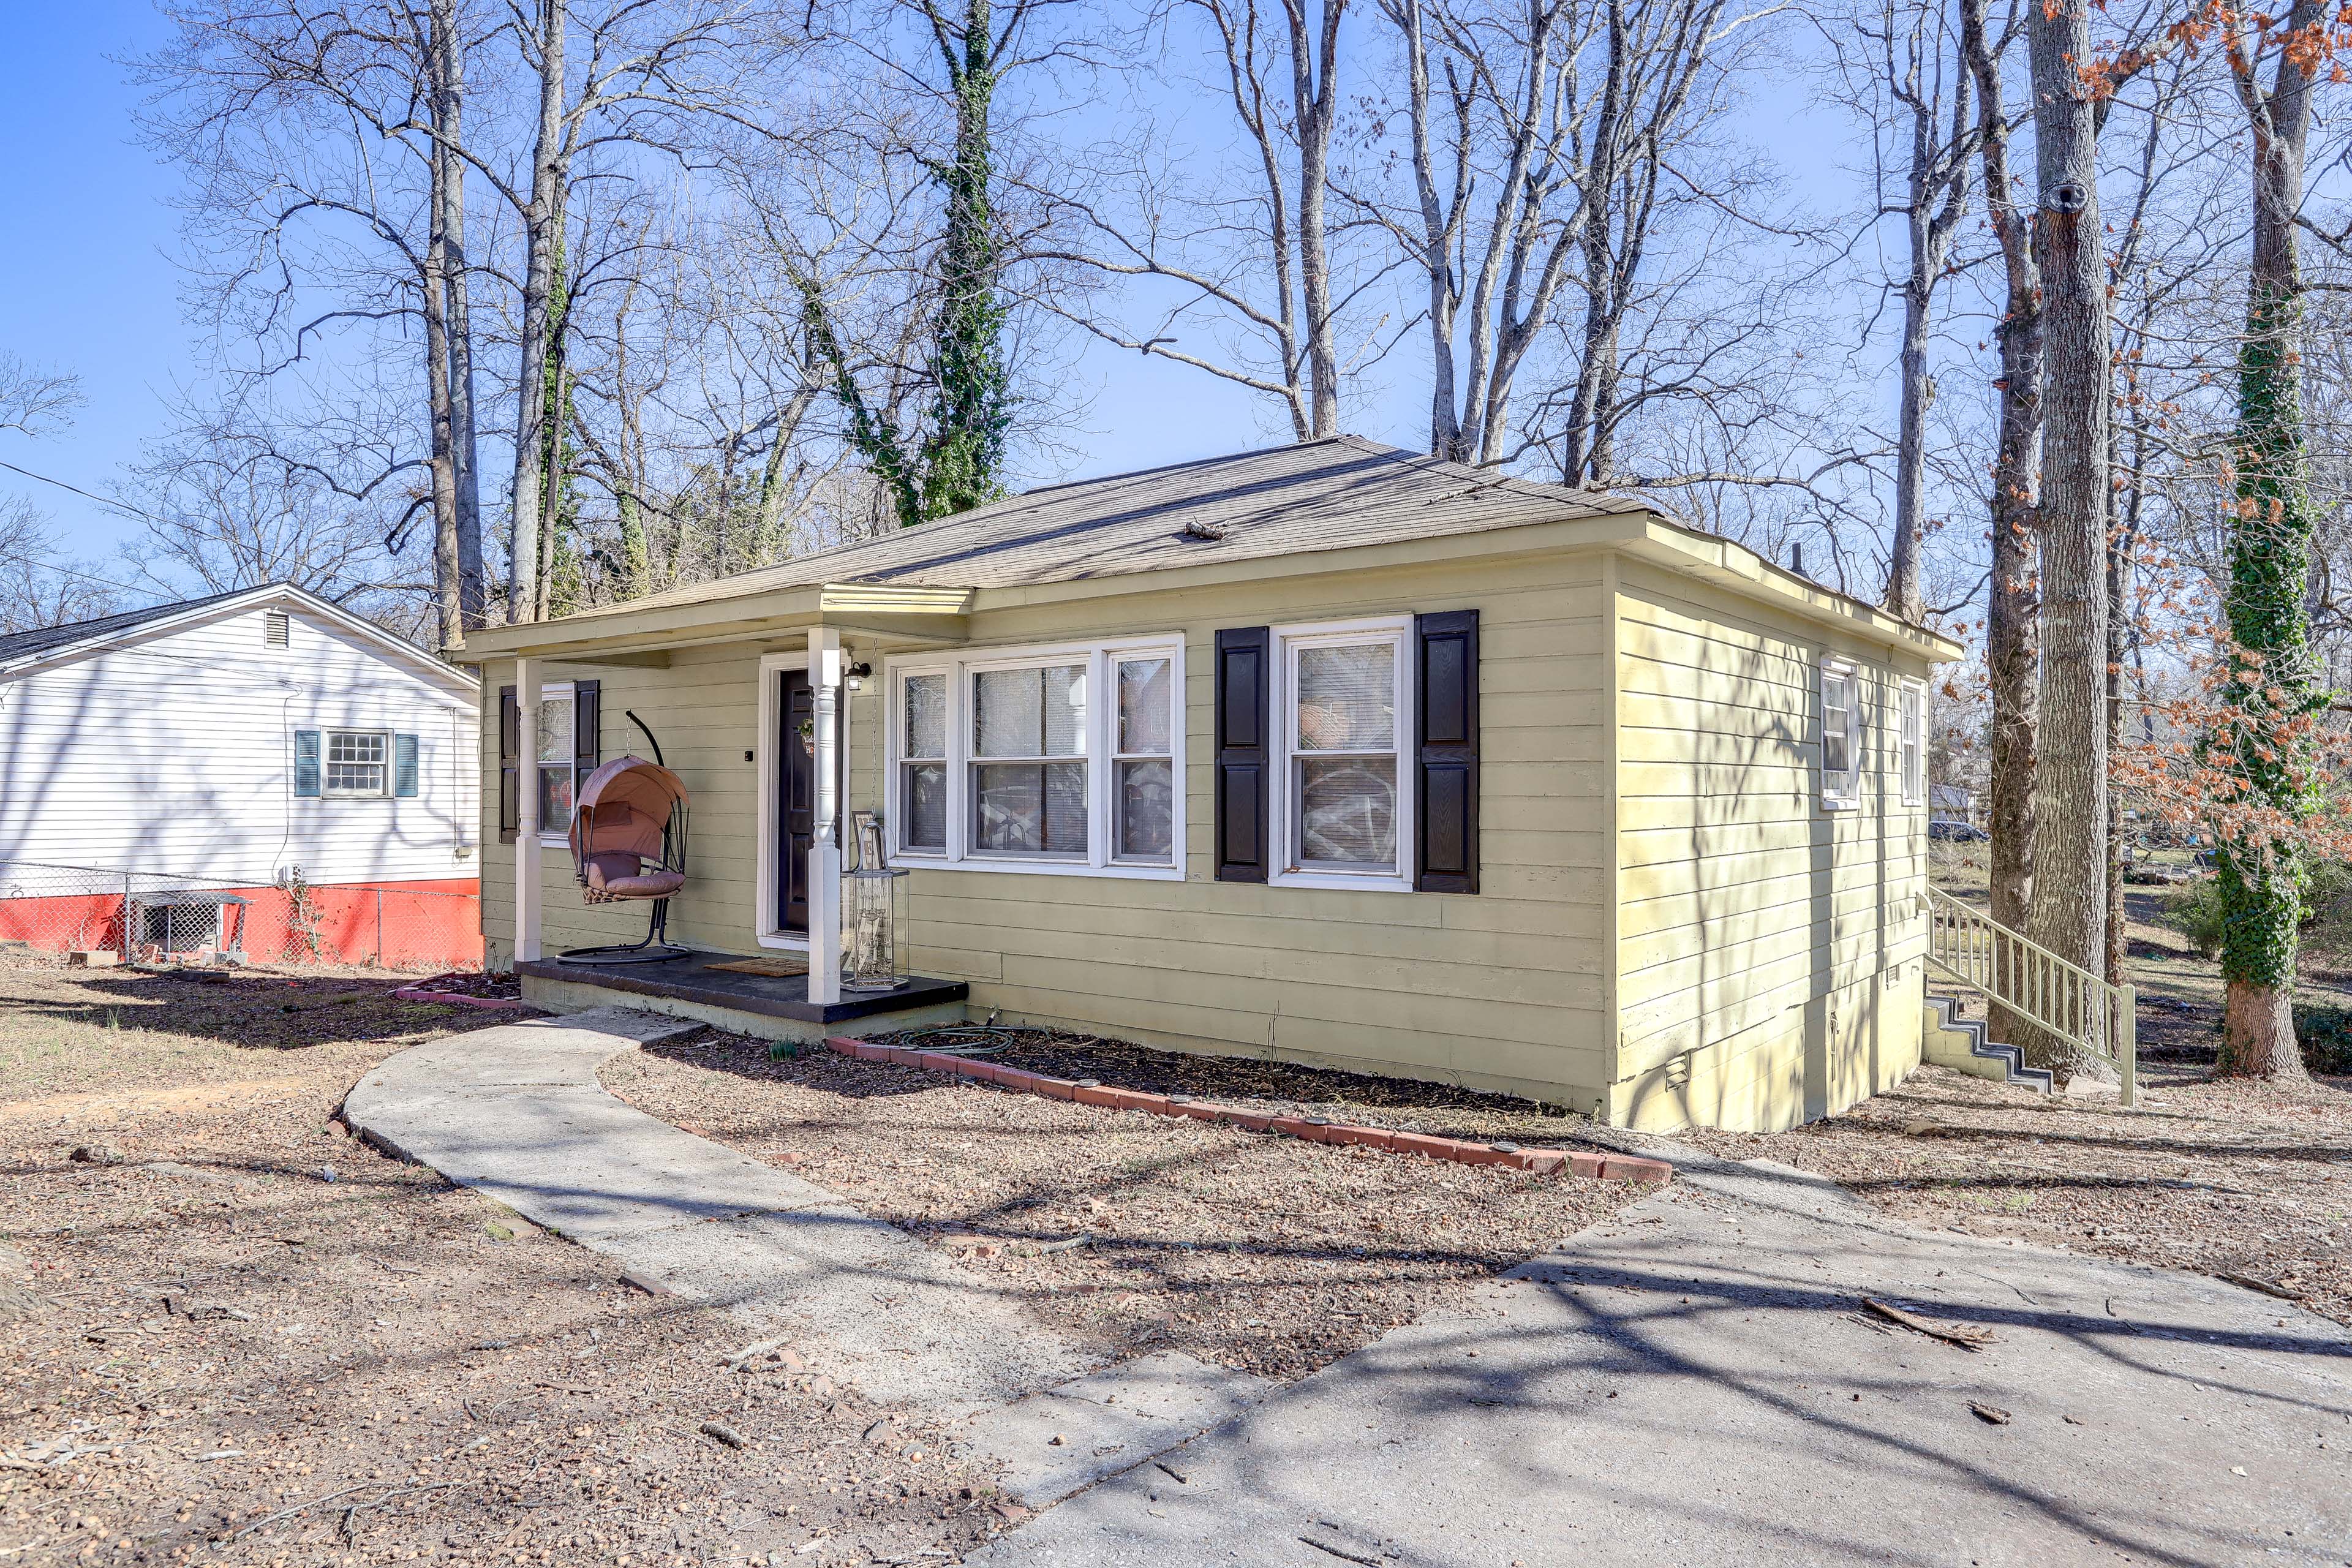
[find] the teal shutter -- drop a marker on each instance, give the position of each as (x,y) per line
(404,766)
(306,764)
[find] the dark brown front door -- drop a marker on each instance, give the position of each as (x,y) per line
(796,798)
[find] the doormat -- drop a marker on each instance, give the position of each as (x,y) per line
(776,965)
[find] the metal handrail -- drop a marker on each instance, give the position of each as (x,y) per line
(2037,985)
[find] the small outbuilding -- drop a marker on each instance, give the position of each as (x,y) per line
(1332,752)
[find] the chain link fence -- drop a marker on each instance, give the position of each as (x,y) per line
(151,917)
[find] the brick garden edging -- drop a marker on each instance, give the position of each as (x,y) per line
(1542,1161)
(493,1003)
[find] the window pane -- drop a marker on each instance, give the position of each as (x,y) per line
(1143,706)
(1030,808)
(1347,812)
(1030,712)
(926,792)
(350,746)
(927,715)
(1347,698)
(1147,810)
(555,797)
(555,733)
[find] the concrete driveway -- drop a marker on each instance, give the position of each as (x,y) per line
(1695,1382)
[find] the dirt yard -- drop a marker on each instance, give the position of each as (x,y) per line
(230,1357)
(1140,1232)
(2244,1181)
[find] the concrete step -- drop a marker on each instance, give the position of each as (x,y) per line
(1961,1044)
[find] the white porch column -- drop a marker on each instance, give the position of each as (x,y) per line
(526,860)
(824,849)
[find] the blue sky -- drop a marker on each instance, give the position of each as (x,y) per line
(90,285)
(87,283)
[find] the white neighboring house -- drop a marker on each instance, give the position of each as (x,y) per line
(238,737)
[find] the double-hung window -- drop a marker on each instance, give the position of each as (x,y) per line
(1028,781)
(359,762)
(1911,747)
(556,766)
(1343,706)
(1841,735)
(1062,759)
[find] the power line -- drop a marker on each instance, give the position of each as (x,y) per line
(107,502)
(69,572)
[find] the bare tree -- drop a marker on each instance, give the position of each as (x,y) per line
(1912,76)
(34,402)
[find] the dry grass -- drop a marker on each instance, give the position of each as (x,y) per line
(1260,1252)
(436,1377)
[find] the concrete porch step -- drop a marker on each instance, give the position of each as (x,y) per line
(1962,1044)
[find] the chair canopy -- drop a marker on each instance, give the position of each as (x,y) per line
(621,830)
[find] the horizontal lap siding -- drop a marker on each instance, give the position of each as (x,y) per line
(174,756)
(1504,988)
(1750,920)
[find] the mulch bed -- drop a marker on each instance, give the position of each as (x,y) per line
(1287,1088)
(200,1333)
(2225,1177)
(1263,1252)
(500,987)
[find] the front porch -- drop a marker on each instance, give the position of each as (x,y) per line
(766,1006)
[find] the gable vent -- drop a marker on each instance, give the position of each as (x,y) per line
(277,629)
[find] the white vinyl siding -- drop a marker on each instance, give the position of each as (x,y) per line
(176,755)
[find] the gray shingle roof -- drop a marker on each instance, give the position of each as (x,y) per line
(41,639)
(1331,494)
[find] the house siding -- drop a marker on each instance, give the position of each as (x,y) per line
(1769,951)
(174,755)
(1504,989)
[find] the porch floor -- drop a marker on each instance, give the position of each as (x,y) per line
(692,980)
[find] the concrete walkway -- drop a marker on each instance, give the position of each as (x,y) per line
(517,1113)
(1692,1382)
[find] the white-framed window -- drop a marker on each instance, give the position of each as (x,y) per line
(555,769)
(1911,742)
(1068,758)
(358,763)
(1841,735)
(1343,706)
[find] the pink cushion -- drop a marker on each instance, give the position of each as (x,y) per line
(647,885)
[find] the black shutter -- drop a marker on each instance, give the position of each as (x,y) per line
(509,765)
(1244,752)
(587,716)
(1445,732)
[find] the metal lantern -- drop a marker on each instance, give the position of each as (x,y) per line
(872,923)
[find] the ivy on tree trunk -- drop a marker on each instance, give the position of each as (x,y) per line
(2270,680)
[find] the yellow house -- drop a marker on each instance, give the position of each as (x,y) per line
(1331,752)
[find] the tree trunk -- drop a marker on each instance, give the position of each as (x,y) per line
(2013,653)
(2119,945)
(2070,784)
(1317,107)
(449,85)
(2270,567)
(543,244)
(447,593)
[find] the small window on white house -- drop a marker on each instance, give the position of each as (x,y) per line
(1911,748)
(359,762)
(1841,735)
(557,767)
(277,629)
